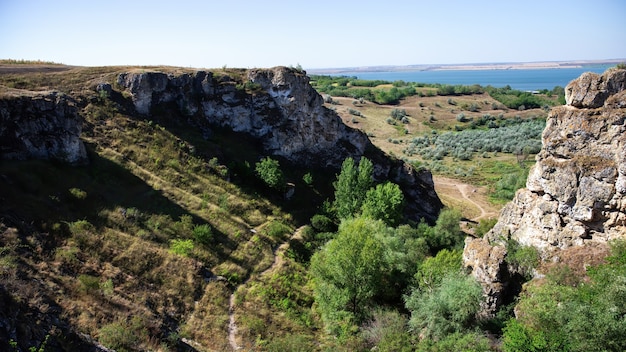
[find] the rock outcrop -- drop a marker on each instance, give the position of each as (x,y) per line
(37,125)
(575,195)
(279,107)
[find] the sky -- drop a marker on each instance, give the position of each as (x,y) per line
(312,33)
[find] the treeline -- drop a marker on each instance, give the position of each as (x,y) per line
(515,99)
(344,86)
(516,136)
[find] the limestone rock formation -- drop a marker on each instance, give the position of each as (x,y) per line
(279,107)
(575,195)
(40,126)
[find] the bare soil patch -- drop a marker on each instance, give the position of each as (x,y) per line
(471,200)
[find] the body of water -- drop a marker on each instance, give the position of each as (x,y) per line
(525,80)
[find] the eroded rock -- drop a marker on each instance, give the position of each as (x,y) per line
(40,125)
(575,194)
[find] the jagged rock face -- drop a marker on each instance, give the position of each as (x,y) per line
(575,194)
(286,113)
(40,126)
(280,108)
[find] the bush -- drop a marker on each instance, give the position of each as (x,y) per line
(387,331)
(118,337)
(78,193)
(524,258)
(181,247)
(88,283)
(203,234)
(322,223)
(398,114)
(448,308)
(276,229)
(308,178)
(484,225)
(269,171)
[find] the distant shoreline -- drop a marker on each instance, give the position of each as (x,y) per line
(470,67)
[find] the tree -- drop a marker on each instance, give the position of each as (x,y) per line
(269,171)
(351,186)
(348,272)
(385,202)
(447,232)
(432,270)
(448,308)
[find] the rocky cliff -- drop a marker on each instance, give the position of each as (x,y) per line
(279,107)
(40,125)
(575,195)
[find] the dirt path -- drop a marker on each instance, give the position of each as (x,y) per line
(464,195)
(278,261)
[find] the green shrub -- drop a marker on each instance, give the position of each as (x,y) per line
(466,342)
(448,308)
(398,114)
(78,193)
(484,225)
(88,283)
(203,233)
(123,336)
(308,178)
(387,331)
(354,112)
(269,171)
(276,229)
(432,270)
(181,247)
(322,223)
(524,258)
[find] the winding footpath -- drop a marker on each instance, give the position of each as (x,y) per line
(465,190)
(278,261)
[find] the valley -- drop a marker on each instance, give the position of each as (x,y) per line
(173,209)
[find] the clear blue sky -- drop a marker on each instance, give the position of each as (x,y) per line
(314,34)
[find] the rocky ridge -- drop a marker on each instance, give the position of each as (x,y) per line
(279,107)
(575,195)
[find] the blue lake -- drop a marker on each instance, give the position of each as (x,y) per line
(526,80)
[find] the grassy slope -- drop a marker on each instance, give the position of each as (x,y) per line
(99,236)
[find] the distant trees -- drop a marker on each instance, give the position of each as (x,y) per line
(514,99)
(521,135)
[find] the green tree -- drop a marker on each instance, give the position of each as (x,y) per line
(432,270)
(447,231)
(351,186)
(384,202)
(348,272)
(448,308)
(269,171)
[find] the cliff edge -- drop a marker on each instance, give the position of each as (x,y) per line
(575,195)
